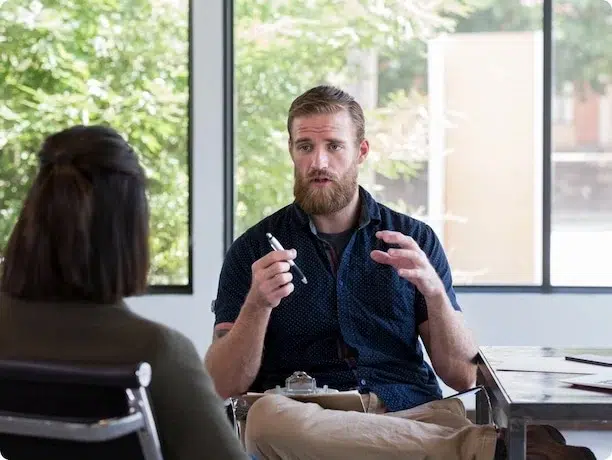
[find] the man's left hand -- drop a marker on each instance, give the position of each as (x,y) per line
(410,262)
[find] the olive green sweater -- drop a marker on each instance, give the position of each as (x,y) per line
(190,417)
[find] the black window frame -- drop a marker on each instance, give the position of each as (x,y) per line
(545,287)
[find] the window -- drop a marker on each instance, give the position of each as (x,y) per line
(121,63)
(456,117)
(581,239)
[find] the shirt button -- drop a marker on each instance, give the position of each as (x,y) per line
(363,382)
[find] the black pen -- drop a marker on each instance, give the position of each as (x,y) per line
(278,247)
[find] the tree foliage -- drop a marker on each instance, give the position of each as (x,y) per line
(116,62)
(124,63)
(284,48)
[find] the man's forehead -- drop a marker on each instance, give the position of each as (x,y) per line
(322,123)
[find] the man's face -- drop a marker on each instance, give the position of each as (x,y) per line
(326,156)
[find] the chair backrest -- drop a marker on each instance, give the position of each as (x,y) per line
(69,411)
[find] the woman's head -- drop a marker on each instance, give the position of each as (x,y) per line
(83,232)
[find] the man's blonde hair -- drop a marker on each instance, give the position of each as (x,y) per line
(326,100)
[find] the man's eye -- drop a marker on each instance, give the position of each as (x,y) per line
(304,148)
(335,147)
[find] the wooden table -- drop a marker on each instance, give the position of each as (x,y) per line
(522,398)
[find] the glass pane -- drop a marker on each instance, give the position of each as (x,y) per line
(453,97)
(581,239)
(121,63)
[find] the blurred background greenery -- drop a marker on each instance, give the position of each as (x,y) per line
(125,63)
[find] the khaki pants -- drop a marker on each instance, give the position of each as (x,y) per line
(281,428)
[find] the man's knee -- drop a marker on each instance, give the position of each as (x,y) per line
(259,418)
(276,418)
(264,418)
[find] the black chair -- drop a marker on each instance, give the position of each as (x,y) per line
(62,411)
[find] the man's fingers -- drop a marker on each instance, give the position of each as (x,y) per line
(279,287)
(391,237)
(397,257)
(406,255)
(381,257)
(272,284)
(275,269)
(273,257)
(282,279)
(285,290)
(273,290)
(271,278)
(410,274)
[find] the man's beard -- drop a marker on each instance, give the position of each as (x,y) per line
(325,200)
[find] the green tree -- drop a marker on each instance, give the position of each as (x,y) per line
(283,48)
(116,62)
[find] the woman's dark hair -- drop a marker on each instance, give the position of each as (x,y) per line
(83,232)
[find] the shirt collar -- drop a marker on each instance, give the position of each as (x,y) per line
(370,212)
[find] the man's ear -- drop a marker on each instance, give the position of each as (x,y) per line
(364,149)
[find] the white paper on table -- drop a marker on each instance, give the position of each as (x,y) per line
(556,364)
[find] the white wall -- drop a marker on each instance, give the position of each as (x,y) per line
(540,319)
(497,319)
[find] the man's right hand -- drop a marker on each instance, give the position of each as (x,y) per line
(271,279)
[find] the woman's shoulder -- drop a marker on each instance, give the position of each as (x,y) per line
(163,343)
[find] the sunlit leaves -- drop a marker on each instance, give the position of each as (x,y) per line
(116,62)
(282,48)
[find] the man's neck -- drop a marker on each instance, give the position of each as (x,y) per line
(339,221)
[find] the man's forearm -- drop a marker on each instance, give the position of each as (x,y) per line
(234,359)
(452,345)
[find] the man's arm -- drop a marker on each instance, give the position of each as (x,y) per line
(448,341)
(234,358)
(449,344)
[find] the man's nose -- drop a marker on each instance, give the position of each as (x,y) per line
(320,159)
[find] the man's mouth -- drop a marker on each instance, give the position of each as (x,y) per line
(320,180)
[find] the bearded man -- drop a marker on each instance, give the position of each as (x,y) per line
(377,281)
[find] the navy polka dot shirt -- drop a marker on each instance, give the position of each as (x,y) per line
(355,324)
